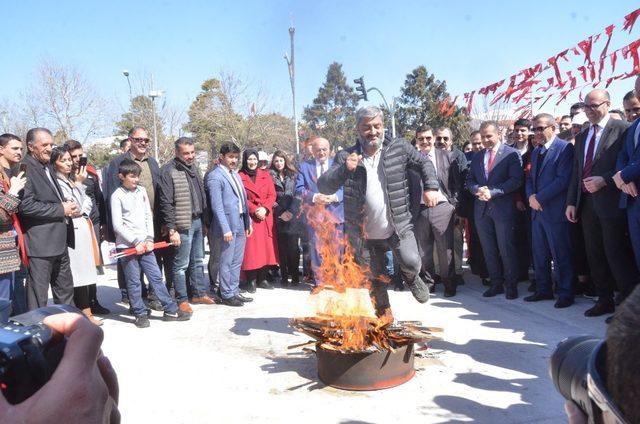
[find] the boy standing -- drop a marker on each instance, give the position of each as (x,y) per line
(133,227)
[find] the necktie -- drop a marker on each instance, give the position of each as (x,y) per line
(492,156)
(588,160)
(323,168)
(541,154)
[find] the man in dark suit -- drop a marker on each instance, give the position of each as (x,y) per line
(593,200)
(494,179)
(546,190)
(627,178)
(308,194)
(230,223)
(435,225)
(45,216)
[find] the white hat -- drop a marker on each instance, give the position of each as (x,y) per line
(263,156)
(579,119)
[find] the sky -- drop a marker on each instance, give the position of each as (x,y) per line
(469,44)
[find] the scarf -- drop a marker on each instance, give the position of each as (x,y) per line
(245,168)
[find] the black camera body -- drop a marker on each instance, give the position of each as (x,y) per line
(29,352)
(577,368)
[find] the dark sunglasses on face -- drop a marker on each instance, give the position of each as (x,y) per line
(140,140)
(540,129)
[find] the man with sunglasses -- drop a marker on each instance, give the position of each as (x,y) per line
(149,179)
(444,141)
(593,201)
(546,190)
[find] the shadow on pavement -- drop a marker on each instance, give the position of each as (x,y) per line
(301,363)
(243,326)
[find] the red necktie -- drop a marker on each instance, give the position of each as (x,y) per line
(492,156)
(588,160)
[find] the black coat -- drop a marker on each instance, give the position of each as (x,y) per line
(397,157)
(46,230)
(604,165)
(285,201)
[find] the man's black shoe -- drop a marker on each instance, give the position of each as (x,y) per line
(232,301)
(98,309)
(142,321)
(419,290)
(264,284)
(179,315)
(449,289)
(493,291)
(251,286)
(600,308)
(536,297)
(155,305)
(512,293)
(244,299)
(563,302)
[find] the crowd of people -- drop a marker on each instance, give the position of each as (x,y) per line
(550,201)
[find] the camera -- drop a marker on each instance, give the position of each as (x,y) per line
(578,370)
(29,352)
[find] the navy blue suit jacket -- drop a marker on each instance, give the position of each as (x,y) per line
(629,161)
(549,180)
(223,199)
(504,180)
(307,186)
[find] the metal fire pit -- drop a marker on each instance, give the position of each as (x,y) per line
(365,370)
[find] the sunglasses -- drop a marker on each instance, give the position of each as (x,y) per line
(476,144)
(141,140)
(595,106)
(442,138)
(540,129)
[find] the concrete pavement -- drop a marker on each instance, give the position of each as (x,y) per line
(232,365)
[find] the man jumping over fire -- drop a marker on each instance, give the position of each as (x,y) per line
(376,193)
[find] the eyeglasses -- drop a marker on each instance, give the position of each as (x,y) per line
(477,144)
(595,106)
(540,129)
(140,140)
(439,138)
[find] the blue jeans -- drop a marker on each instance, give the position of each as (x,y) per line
(131,266)
(190,254)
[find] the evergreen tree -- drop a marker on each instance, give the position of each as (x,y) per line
(332,114)
(424,100)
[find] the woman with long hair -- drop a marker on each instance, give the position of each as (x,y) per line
(84,256)
(261,249)
(283,174)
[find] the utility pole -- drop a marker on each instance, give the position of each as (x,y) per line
(292,79)
(154,94)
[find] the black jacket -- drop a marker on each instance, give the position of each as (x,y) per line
(604,165)
(112,182)
(397,157)
(46,230)
(285,201)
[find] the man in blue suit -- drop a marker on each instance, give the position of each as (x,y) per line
(627,179)
(546,187)
(307,190)
(494,178)
(230,223)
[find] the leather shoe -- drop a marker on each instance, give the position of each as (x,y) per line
(512,293)
(244,299)
(563,302)
(449,288)
(251,286)
(264,284)
(493,291)
(600,308)
(185,307)
(202,300)
(536,297)
(232,301)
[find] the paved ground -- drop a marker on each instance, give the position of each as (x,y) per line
(231,365)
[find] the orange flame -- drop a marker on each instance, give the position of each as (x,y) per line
(342,295)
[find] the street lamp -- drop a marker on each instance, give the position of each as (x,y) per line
(363,96)
(126,75)
(292,79)
(153,94)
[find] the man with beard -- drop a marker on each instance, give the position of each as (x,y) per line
(374,176)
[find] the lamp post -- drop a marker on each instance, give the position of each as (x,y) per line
(126,75)
(292,79)
(391,110)
(154,94)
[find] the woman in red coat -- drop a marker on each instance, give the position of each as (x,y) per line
(261,249)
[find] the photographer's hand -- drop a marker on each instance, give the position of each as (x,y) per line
(84,387)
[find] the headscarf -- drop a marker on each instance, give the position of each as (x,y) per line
(245,168)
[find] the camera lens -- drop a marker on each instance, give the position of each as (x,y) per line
(568,368)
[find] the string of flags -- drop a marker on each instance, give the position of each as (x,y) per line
(530,86)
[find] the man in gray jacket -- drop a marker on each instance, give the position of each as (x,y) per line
(183,207)
(374,176)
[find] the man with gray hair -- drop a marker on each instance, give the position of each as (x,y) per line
(376,193)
